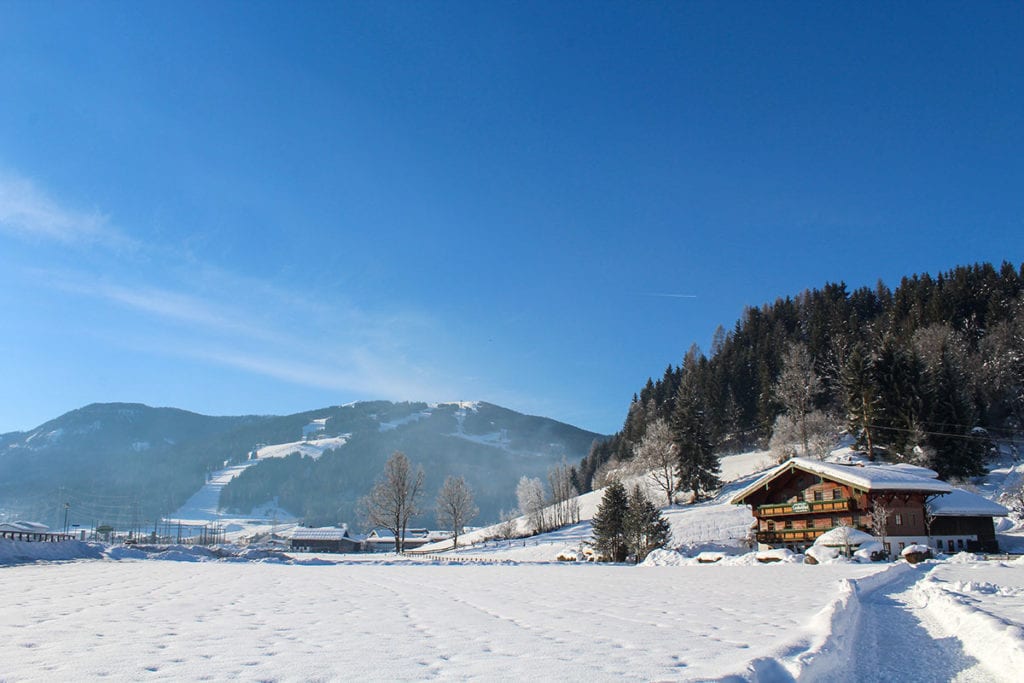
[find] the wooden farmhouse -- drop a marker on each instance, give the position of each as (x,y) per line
(801,499)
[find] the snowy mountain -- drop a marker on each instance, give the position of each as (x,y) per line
(124,464)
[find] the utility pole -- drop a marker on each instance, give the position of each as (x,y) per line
(67,506)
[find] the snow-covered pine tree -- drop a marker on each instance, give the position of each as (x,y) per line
(609,524)
(645,527)
(698,465)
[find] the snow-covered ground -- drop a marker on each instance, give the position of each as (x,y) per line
(389,618)
(714,524)
(202,508)
(177,620)
(507,610)
(313,448)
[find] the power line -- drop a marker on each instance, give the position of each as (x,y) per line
(967,437)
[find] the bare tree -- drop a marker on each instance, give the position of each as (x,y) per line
(659,455)
(509,526)
(532,502)
(455,506)
(880,513)
(564,496)
(817,430)
(394,499)
(797,387)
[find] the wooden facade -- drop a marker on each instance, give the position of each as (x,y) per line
(800,500)
(800,506)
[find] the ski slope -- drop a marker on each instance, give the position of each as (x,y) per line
(203,507)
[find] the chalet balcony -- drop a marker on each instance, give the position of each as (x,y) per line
(805,507)
(780,536)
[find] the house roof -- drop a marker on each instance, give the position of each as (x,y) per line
(323,533)
(867,477)
(961,503)
(25,527)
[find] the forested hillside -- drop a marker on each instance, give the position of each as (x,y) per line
(929,372)
(128,464)
(490,446)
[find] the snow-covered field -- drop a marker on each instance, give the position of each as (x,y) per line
(506,610)
(389,618)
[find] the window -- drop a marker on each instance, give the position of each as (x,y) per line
(949,545)
(902,546)
(938,544)
(898,520)
(819,495)
(789,524)
(959,544)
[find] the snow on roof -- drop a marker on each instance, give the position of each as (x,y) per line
(24,527)
(868,477)
(323,533)
(916,469)
(964,503)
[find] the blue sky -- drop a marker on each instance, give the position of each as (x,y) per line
(271,207)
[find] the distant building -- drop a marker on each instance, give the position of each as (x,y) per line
(802,499)
(31,531)
(382,540)
(325,539)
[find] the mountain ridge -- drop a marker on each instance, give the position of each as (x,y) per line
(134,463)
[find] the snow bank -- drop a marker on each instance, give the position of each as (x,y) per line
(665,558)
(822,553)
(965,558)
(672,558)
(833,629)
(866,550)
(844,536)
(22,552)
(985,636)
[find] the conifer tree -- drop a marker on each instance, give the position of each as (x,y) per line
(958,451)
(609,524)
(645,527)
(698,466)
(861,396)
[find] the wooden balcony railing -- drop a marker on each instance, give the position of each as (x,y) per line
(805,507)
(788,535)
